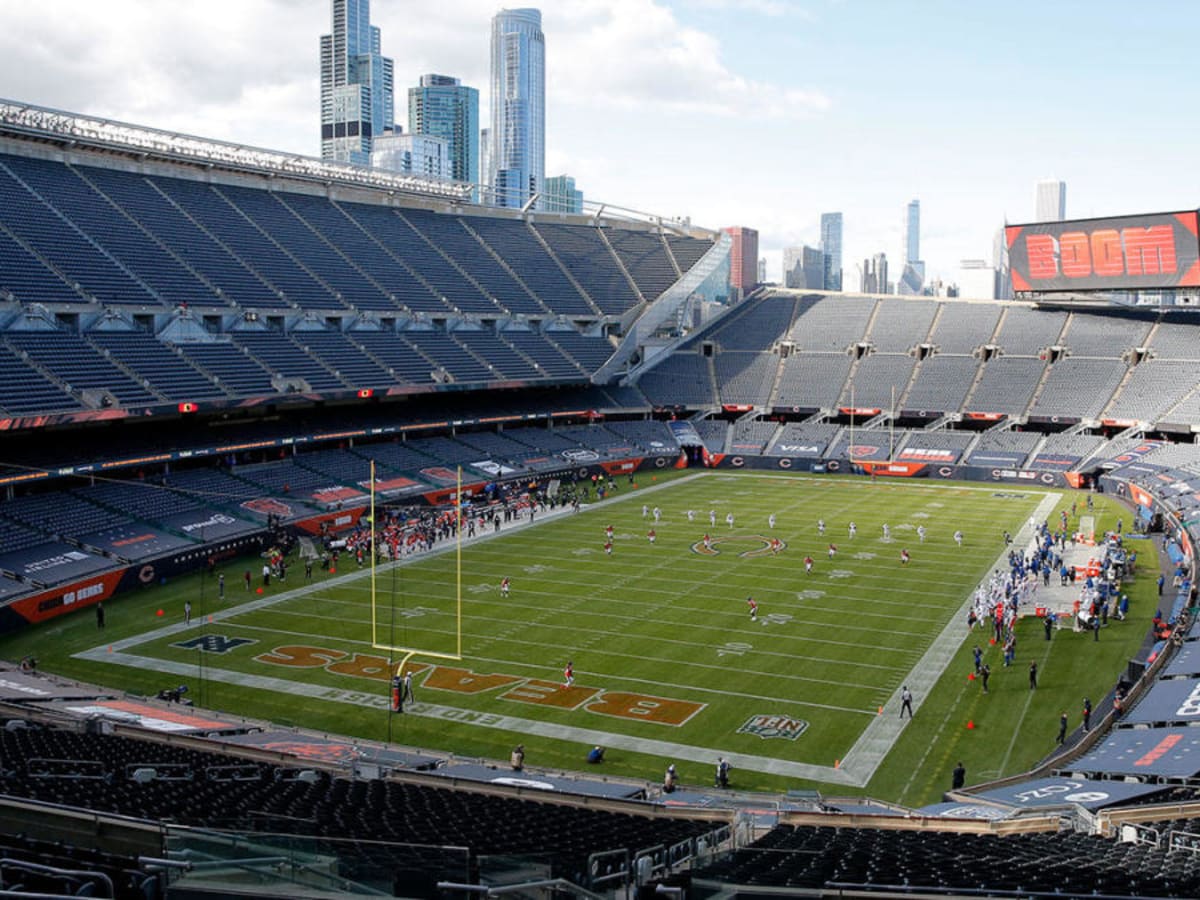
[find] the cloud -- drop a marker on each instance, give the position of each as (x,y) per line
(223,69)
(773,8)
(637,55)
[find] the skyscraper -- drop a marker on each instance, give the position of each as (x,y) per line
(561,195)
(912,274)
(1050,201)
(518,126)
(743,258)
(442,107)
(357,101)
(411,154)
(875,275)
(831,247)
(912,231)
(803,268)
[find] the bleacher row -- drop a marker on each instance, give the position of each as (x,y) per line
(1004,447)
(53,371)
(212,789)
(91,527)
(73,234)
(1054,864)
(938,356)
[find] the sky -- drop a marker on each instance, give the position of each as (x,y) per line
(761,113)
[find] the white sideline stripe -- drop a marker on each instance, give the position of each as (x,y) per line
(376,700)
(878,738)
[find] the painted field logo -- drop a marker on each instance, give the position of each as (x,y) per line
(774,727)
(745,545)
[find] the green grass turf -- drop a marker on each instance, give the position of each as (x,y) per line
(658,620)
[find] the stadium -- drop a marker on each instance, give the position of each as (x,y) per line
(357,539)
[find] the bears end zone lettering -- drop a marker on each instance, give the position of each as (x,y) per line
(620,704)
(1151,251)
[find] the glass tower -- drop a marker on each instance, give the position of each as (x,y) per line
(912,231)
(356,85)
(517,164)
(1050,201)
(441,107)
(831,247)
(561,195)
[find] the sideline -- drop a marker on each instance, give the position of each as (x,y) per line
(877,740)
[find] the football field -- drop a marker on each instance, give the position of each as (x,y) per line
(668,661)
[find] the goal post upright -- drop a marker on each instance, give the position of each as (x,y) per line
(401,651)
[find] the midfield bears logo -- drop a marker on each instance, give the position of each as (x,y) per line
(755,545)
(774,727)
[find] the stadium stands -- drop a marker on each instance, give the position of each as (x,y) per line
(79,366)
(645,257)
(583,252)
(1104,336)
(1026,332)
(529,260)
(684,378)
(755,326)
(804,439)
(157,364)
(879,381)
(713,432)
(751,436)
(1007,385)
(964,327)
(1007,448)
(745,378)
(1078,387)
(812,379)
(1174,339)
(23,389)
(51,237)
(941,383)
(1061,863)
(192,787)
(824,327)
(1153,387)
(900,325)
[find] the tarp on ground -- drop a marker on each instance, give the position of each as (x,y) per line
(1089,793)
(1172,702)
(10,588)
(134,542)
(1186,660)
(538,781)
(1055,462)
(1161,752)
(173,719)
(1005,459)
(53,562)
(205,525)
(329,750)
(24,687)
(952,810)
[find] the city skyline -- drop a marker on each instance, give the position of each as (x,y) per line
(637,89)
